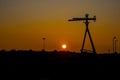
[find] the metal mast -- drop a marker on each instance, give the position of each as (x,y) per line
(86,19)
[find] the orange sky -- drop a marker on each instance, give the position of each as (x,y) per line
(23,24)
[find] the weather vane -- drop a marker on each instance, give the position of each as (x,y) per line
(86,19)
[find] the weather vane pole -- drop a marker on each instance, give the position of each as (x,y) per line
(86,19)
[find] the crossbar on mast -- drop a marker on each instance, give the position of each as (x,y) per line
(86,19)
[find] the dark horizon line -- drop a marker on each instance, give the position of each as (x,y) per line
(30,50)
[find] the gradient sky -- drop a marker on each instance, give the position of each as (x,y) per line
(23,24)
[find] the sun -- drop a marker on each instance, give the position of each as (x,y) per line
(64,46)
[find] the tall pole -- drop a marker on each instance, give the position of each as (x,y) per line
(43,44)
(114,44)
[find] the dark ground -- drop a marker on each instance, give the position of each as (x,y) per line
(56,65)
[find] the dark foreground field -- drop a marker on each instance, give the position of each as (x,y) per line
(56,65)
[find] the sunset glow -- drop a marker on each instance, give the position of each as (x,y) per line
(64,46)
(23,24)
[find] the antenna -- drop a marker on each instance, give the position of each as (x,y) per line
(86,19)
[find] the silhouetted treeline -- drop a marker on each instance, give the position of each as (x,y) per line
(54,64)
